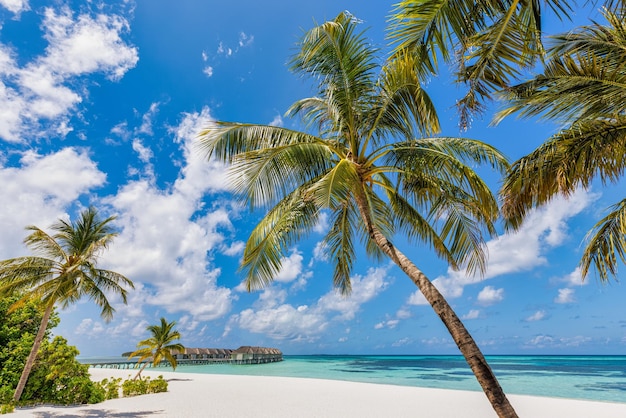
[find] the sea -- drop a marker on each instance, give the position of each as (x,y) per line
(599,378)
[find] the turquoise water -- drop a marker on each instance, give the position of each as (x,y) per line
(600,378)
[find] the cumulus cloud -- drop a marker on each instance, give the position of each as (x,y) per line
(544,228)
(391,323)
(273,317)
(38,189)
(164,242)
(537,316)
(573,279)
(490,295)
(550,341)
(565,296)
(472,314)
(38,98)
(15,6)
(277,121)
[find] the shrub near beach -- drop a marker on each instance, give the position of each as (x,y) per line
(57,377)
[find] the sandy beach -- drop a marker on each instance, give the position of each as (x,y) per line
(224,396)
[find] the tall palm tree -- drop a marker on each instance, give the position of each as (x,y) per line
(159,346)
(372,186)
(488,42)
(584,88)
(63,271)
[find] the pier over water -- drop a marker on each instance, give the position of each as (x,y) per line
(242,355)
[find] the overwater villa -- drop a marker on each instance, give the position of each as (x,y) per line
(243,355)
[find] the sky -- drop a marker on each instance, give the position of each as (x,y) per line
(101,104)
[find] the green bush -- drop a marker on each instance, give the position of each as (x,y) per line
(111,388)
(134,387)
(142,386)
(157,385)
(57,377)
(7,408)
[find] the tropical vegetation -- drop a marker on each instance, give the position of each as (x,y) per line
(583,88)
(57,377)
(368,157)
(158,346)
(63,271)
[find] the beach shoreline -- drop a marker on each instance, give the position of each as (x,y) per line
(236,396)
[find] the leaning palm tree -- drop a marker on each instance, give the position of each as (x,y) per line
(372,186)
(159,346)
(63,272)
(583,87)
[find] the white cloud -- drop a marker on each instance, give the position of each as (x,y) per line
(15,6)
(87,44)
(565,296)
(472,314)
(164,243)
(490,295)
(523,250)
(291,268)
(284,322)
(37,99)
(245,40)
(320,252)
(147,118)
(208,71)
(273,317)
(38,191)
(549,341)
(363,290)
(391,324)
(572,279)
(145,153)
(277,121)
(537,316)
(402,342)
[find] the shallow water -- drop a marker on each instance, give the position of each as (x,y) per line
(600,378)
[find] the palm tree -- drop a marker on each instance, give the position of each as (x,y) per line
(159,346)
(489,43)
(63,272)
(583,87)
(372,187)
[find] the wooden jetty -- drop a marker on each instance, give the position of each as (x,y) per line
(242,355)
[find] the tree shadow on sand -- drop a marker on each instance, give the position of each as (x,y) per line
(94,413)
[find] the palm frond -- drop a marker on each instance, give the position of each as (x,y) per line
(339,243)
(283,225)
(570,159)
(342,60)
(490,41)
(402,105)
(584,79)
(606,244)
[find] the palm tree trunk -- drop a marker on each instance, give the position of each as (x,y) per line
(30,361)
(464,341)
(140,370)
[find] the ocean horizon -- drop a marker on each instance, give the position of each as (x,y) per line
(588,377)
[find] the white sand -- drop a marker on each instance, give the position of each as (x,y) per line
(224,396)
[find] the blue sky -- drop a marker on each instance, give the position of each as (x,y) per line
(101,103)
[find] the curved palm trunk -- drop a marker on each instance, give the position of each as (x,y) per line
(459,333)
(141,370)
(30,361)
